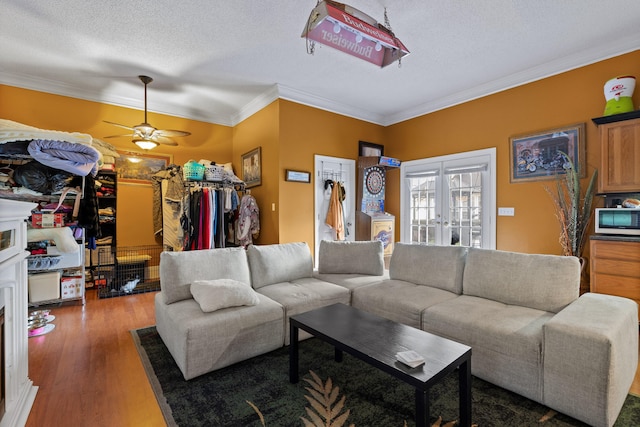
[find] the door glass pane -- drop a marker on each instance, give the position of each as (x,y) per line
(465,200)
(422,209)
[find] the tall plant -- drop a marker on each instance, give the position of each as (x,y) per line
(573,209)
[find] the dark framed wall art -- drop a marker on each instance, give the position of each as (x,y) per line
(539,156)
(252,167)
(369,149)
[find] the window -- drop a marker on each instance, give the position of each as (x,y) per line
(449,200)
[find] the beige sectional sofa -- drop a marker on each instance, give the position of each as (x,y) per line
(521,313)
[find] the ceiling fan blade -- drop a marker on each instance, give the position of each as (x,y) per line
(164,140)
(118,124)
(119,136)
(171,133)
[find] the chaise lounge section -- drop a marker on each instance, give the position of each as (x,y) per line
(530,331)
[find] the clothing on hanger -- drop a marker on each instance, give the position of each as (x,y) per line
(335,213)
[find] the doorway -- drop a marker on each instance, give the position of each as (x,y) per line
(341,171)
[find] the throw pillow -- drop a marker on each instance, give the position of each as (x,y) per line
(214,295)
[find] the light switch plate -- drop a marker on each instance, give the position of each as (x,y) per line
(506,211)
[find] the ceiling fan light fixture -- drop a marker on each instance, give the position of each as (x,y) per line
(145,144)
(144,130)
(146,136)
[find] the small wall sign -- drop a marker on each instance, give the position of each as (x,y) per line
(297,176)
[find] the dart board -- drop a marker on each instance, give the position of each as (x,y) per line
(374,181)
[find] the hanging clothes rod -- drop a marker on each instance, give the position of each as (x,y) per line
(195,184)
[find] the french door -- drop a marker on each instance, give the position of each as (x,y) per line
(449,200)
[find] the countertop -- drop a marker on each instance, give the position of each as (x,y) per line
(615,237)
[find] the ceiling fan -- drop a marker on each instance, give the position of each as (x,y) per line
(146,136)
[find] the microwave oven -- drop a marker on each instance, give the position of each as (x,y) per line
(618,221)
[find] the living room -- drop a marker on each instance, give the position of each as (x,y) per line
(514,234)
(93,345)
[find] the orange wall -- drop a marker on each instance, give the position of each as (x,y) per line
(305,132)
(134,213)
(262,130)
(572,97)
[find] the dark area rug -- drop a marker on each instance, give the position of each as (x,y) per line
(257,392)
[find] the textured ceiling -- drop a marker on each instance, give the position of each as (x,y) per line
(220,62)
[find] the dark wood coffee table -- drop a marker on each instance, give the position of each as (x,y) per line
(376,341)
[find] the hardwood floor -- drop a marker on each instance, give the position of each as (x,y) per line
(88,370)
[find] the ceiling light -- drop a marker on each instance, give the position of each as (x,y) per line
(145,144)
(365,38)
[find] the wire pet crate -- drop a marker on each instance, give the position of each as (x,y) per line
(128,270)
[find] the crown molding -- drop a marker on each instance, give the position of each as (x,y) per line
(137,103)
(255,105)
(551,68)
(300,97)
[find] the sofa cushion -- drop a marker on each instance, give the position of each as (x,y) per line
(398,300)
(340,257)
(179,269)
(507,340)
(301,295)
(279,263)
(351,281)
(202,342)
(436,266)
(213,295)
(543,282)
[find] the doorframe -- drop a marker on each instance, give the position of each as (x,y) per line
(318,159)
(491,186)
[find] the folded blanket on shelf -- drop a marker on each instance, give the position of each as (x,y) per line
(78,159)
(63,237)
(11,131)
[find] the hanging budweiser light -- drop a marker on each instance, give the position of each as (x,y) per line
(351,31)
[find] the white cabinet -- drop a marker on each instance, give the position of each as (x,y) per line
(19,391)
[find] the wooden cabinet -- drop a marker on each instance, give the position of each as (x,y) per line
(620,157)
(379,226)
(615,268)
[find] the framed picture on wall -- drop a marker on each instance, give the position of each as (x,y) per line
(138,168)
(539,156)
(252,167)
(297,176)
(369,149)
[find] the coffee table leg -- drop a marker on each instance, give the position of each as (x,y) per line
(464,384)
(337,354)
(293,354)
(422,408)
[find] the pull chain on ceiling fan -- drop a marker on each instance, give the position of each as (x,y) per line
(146,136)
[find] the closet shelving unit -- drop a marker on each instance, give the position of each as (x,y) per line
(71,266)
(101,260)
(71,269)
